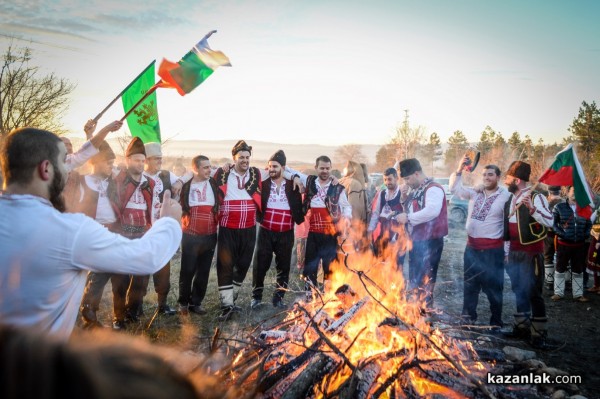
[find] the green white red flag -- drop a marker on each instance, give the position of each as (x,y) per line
(193,69)
(567,171)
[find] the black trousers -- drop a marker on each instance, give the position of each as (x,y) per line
(138,288)
(526,272)
(94,287)
(234,256)
(196,258)
(483,271)
(272,242)
(319,247)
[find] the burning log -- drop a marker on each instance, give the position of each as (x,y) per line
(346,317)
(312,374)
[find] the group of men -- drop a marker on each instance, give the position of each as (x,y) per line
(220,208)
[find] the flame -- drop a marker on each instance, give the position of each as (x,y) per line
(384,327)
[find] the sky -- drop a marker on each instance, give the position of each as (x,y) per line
(327,72)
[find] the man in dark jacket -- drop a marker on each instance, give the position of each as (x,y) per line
(571,231)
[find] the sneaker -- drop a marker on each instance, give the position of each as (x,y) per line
(225,314)
(182,309)
(556,297)
(166,310)
(198,309)
(255,303)
(278,303)
(118,324)
(581,299)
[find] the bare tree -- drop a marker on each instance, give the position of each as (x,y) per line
(408,140)
(349,152)
(28,99)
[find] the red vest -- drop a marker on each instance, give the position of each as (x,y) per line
(125,187)
(435,228)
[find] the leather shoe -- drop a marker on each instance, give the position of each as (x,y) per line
(278,303)
(255,303)
(166,310)
(556,297)
(198,309)
(226,313)
(131,318)
(517,333)
(118,325)
(582,299)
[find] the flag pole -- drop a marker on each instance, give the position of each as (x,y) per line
(121,93)
(141,100)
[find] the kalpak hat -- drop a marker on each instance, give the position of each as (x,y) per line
(136,146)
(520,170)
(409,166)
(279,156)
(241,146)
(153,150)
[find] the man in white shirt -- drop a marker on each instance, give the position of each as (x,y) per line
(44,266)
(330,216)
(484,253)
(427,220)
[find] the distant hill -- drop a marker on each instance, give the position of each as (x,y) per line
(261,150)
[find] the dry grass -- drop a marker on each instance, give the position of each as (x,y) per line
(195,332)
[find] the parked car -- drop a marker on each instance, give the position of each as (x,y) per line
(458,209)
(445,183)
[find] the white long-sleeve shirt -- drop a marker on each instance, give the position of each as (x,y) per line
(317,201)
(433,206)
(81,156)
(485,217)
(45,256)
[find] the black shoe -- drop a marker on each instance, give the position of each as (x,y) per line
(278,303)
(226,313)
(88,314)
(516,333)
(131,318)
(118,325)
(255,303)
(166,310)
(541,342)
(198,309)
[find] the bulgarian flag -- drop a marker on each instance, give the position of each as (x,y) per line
(193,69)
(567,171)
(140,105)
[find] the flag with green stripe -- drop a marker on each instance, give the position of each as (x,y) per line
(143,121)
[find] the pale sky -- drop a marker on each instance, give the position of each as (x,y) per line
(328,72)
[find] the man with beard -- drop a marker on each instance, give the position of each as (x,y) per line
(387,207)
(200,203)
(426,218)
(527,218)
(330,214)
(44,267)
(282,206)
(134,196)
(163,181)
(484,253)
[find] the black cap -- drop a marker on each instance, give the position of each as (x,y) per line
(409,166)
(279,156)
(554,189)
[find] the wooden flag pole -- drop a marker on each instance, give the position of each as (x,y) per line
(141,100)
(97,118)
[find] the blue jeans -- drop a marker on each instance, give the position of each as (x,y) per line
(423,261)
